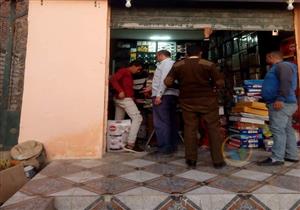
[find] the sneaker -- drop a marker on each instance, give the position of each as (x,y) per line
(270,162)
(291,160)
(134,149)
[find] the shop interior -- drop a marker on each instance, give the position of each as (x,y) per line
(239,55)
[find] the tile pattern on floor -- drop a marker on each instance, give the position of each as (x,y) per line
(124,181)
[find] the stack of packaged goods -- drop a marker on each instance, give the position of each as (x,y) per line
(252,90)
(247,122)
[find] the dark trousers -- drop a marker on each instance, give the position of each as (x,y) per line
(164,120)
(191,126)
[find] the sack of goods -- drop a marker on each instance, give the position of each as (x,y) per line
(117,134)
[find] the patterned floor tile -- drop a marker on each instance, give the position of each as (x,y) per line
(89,163)
(208,190)
(75,191)
(38,176)
(210,169)
(179,162)
(212,201)
(245,202)
(197,175)
(138,163)
(18,197)
(253,175)
(272,201)
(142,198)
(297,165)
(296,206)
(288,182)
(144,191)
(32,204)
(269,169)
(235,184)
(273,190)
(172,184)
(57,169)
(112,157)
(157,157)
(103,204)
(45,186)
(140,176)
(83,176)
(115,169)
(74,202)
(289,201)
(178,202)
(283,201)
(165,169)
(294,172)
(109,185)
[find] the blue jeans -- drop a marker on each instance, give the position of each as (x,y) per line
(285,145)
(164,120)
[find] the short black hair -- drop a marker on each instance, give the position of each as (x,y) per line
(193,50)
(137,62)
(165,53)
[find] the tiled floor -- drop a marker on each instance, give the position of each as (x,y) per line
(144,182)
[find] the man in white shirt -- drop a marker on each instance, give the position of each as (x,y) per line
(164,105)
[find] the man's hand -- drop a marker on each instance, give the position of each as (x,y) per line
(278,105)
(157,100)
(207,32)
(121,95)
(147,89)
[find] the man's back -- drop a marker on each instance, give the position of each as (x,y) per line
(197,77)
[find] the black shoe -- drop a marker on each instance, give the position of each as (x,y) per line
(191,163)
(270,162)
(134,149)
(291,160)
(219,165)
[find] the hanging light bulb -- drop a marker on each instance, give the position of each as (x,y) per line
(290,4)
(128,3)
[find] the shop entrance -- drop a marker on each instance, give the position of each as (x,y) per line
(238,45)
(240,56)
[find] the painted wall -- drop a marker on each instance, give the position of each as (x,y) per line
(65,77)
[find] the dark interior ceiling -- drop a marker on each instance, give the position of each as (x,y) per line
(139,34)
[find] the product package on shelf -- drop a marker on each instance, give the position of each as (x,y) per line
(117,134)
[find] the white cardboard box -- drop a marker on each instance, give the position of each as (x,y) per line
(117,134)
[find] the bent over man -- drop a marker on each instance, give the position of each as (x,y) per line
(122,82)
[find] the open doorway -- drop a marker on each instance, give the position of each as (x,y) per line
(239,55)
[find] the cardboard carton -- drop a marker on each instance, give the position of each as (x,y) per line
(11,180)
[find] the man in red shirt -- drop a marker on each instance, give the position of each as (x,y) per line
(122,82)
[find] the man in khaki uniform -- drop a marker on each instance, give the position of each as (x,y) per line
(197,79)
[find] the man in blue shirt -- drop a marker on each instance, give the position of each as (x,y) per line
(278,91)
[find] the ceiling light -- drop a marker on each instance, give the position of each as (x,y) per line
(128,3)
(157,37)
(290,4)
(275,32)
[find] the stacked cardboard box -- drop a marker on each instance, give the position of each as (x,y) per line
(253,89)
(247,120)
